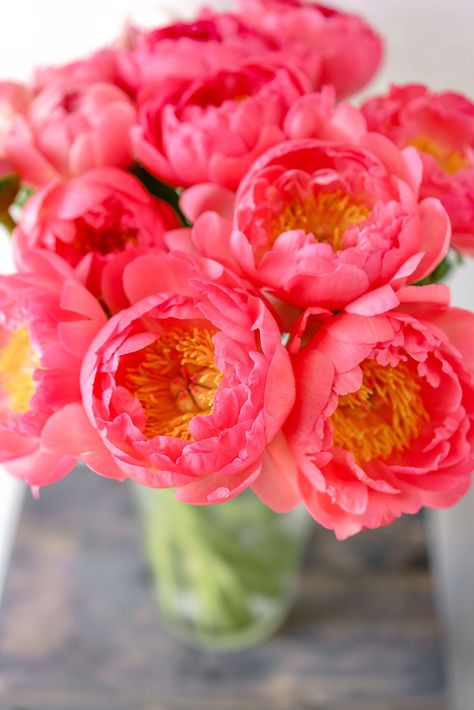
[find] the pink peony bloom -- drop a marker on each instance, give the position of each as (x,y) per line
(384,417)
(99,67)
(47,321)
(441,127)
(320,223)
(89,219)
(190,50)
(71,126)
(14,101)
(348,49)
(212,130)
(319,115)
(190,384)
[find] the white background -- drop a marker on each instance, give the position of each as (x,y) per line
(427,40)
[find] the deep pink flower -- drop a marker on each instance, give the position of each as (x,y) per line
(47,321)
(441,126)
(212,130)
(89,219)
(384,413)
(71,126)
(190,384)
(320,223)
(348,49)
(190,50)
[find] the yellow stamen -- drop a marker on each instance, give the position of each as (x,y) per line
(448,160)
(175,380)
(327,216)
(18,362)
(383,417)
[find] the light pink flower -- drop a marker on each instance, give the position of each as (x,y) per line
(384,413)
(71,126)
(99,67)
(190,50)
(89,219)
(47,321)
(14,101)
(320,223)
(348,49)
(212,130)
(190,384)
(441,126)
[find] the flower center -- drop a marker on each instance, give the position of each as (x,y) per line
(327,216)
(448,160)
(18,362)
(384,416)
(175,380)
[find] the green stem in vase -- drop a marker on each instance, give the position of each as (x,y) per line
(223,572)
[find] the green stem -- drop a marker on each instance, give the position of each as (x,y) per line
(223,571)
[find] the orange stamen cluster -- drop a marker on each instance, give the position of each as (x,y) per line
(175,380)
(383,417)
(18,362)
(448,160)
(327,215)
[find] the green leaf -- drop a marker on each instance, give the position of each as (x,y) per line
(9,186)
(160,189)
(23,195)
(451,261)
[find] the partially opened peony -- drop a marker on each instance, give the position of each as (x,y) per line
(70,126)
(213,129)
(89,219)
(190,50)
(346,46)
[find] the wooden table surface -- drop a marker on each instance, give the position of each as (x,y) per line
(79,629)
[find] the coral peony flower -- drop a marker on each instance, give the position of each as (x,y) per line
(384,414)
(99,67)
(349,50)
(319,115)
(190,50)
(89,219)
(47,321)
(441,127)
(71,126)
(213,129)
(14,101)
(320,223)
(189,385)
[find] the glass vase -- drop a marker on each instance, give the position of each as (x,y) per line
(225,574)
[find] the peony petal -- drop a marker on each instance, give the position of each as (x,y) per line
(217,488)
(277,484)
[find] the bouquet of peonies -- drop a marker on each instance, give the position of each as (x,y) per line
(226,274)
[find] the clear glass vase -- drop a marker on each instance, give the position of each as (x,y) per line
(225,574)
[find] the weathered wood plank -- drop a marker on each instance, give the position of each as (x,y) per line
(79,629)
